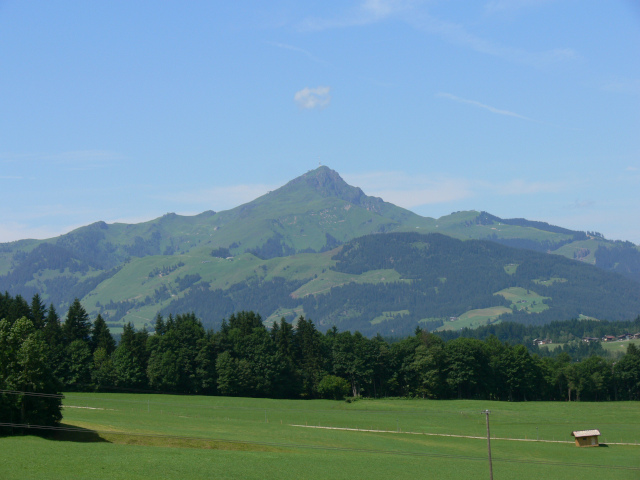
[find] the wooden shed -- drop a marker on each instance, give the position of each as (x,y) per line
(586,438)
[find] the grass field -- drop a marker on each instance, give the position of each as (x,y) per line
(620,346)
(523,299)
(475,318)
(613,347)
(162,436)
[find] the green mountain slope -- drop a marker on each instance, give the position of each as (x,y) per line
(130,272)
(378,283)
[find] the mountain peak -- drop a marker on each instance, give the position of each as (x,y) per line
(329,183)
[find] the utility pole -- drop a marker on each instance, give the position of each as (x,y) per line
(487,412)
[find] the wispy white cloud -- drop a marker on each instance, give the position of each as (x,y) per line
(12,231)
(373,11)
(310,98)
(411,191)
(219,198)
(482,105)
(582,204)
(72,159)
(457,34)
(366,13)
(304,52)
(610,220)
(624,85)
(523,187)
(494,6)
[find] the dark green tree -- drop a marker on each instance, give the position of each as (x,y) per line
(467,369)
(130,359)
(79,361)
(18,308)
(333,388)
(38,312)
(429,363)
(180,357)
(101,336)
(627,373)
(54,338)
(77,325)
(310,356)
(103,372)
(24,367)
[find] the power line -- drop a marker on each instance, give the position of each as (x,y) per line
(32,394)
(320,447)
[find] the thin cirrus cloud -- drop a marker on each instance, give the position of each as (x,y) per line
(313,98)
(522,187)
(373,11)
(411,191)
(511,5)
(220,198)
(366,13)
(456,34)
(302,51)
(477,104)
(70,160)
(69,156)
(12,231)
(623,85)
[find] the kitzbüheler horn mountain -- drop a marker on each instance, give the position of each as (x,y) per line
(308,248)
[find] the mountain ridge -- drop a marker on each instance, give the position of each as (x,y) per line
(314,212)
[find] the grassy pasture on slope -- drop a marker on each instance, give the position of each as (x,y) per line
(475,318)
(550,281)
(523,299)
(620,347)
(168,436)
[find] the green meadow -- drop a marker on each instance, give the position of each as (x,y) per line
(617,348)
(620,347)
(475,318)
(170,436)
(524,300)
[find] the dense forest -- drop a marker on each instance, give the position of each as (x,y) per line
(40,354)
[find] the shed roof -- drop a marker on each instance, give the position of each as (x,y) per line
(585,433)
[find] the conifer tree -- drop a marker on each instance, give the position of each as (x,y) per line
(101,336)
(38,312)
(53,337)
(77,325)
(18,308)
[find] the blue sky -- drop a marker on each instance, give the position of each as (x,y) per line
(126,110)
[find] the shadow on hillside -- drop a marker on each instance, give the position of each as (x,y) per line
(75,434)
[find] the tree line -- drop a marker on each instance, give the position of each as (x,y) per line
(569,333)
(41,354)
